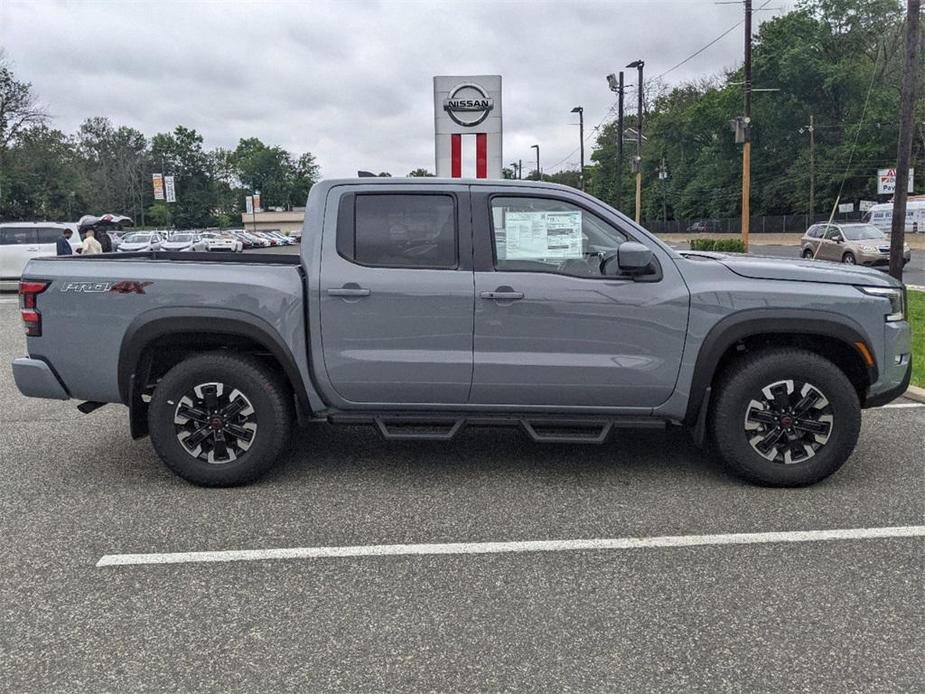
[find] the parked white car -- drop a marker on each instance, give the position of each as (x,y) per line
(220,242)
(22,241)
(142,241)
(185,241)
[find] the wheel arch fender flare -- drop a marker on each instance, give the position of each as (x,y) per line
(754,322)
(158,323)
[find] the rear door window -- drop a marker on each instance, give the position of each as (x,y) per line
(401,231)
(13,236)
(48,234)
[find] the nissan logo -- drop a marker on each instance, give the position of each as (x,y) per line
(468,104)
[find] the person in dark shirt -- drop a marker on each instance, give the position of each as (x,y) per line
(104,239)
(63,244)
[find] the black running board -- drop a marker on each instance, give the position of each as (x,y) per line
(540,428)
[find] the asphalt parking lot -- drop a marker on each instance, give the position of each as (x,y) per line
(833,615)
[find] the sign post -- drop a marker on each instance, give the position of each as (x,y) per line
(469,105)
(886,181)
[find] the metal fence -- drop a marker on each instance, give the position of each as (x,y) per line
(764,224)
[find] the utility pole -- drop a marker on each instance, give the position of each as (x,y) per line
(639,65)
(811,128)
(747,145)
(581,137)
(620,126)
(616,86)
(520,169)
(906,127)
(539,176)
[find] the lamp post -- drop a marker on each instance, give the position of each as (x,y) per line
(539,176)
(638,64)
(581,140)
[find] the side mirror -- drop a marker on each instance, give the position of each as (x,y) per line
(630,258)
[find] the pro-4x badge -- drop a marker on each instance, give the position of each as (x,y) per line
(122,287)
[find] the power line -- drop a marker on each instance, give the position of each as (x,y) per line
(674,67)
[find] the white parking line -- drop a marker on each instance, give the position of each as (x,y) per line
(9,301)
(905,404)
(511,547)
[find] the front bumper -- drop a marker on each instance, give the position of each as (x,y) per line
(895,365)
(35,379)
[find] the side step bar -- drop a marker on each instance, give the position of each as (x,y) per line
(540,428)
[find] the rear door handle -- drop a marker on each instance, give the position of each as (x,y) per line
(348,291)
(505,295)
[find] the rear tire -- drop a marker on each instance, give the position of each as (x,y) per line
(761,394)
(807,254)
(220,419)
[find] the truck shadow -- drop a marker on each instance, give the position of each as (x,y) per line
(627,455)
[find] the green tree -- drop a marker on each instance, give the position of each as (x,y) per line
(420,173)
(181,155)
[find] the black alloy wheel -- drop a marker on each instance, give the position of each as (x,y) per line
(789,422)
(215,423)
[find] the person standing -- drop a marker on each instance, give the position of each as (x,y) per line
(90,245)
(103,238)
(63,244)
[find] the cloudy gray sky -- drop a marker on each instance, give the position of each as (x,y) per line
(350,80)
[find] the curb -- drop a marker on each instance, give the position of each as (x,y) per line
(916,287)
(915,394)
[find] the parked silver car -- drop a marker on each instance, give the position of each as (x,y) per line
(185,241)
(852,244)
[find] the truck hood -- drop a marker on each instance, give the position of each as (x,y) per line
(767,268)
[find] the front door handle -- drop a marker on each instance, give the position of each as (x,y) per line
(502,294)
(348,290)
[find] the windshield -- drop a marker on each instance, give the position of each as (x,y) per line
(137,238)
(862,231)
(181,238)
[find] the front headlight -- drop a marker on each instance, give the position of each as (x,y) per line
(896,297)
(869,249)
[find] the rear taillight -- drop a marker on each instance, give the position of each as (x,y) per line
(28,305)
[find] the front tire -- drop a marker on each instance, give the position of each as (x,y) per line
(784,417)
(849,259)
(220,419)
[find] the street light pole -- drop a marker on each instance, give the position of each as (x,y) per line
(639,65)
(581,138)
(539,176)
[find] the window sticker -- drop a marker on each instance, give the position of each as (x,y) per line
(542,235)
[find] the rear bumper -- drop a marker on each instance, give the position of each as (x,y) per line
(35,379)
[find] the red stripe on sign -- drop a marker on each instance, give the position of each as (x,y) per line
(481,155)
(456,154)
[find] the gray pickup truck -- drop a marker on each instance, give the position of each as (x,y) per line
(424,306)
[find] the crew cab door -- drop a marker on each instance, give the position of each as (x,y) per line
(550,328)
(397,294)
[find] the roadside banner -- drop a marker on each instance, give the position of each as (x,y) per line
(158,180)
(846,207)
(886,181)
(171,191)
(257,200)
(865,205)
(249,204)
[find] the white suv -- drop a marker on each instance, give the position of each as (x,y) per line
(22,241)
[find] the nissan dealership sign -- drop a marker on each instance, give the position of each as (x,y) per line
(467,126)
